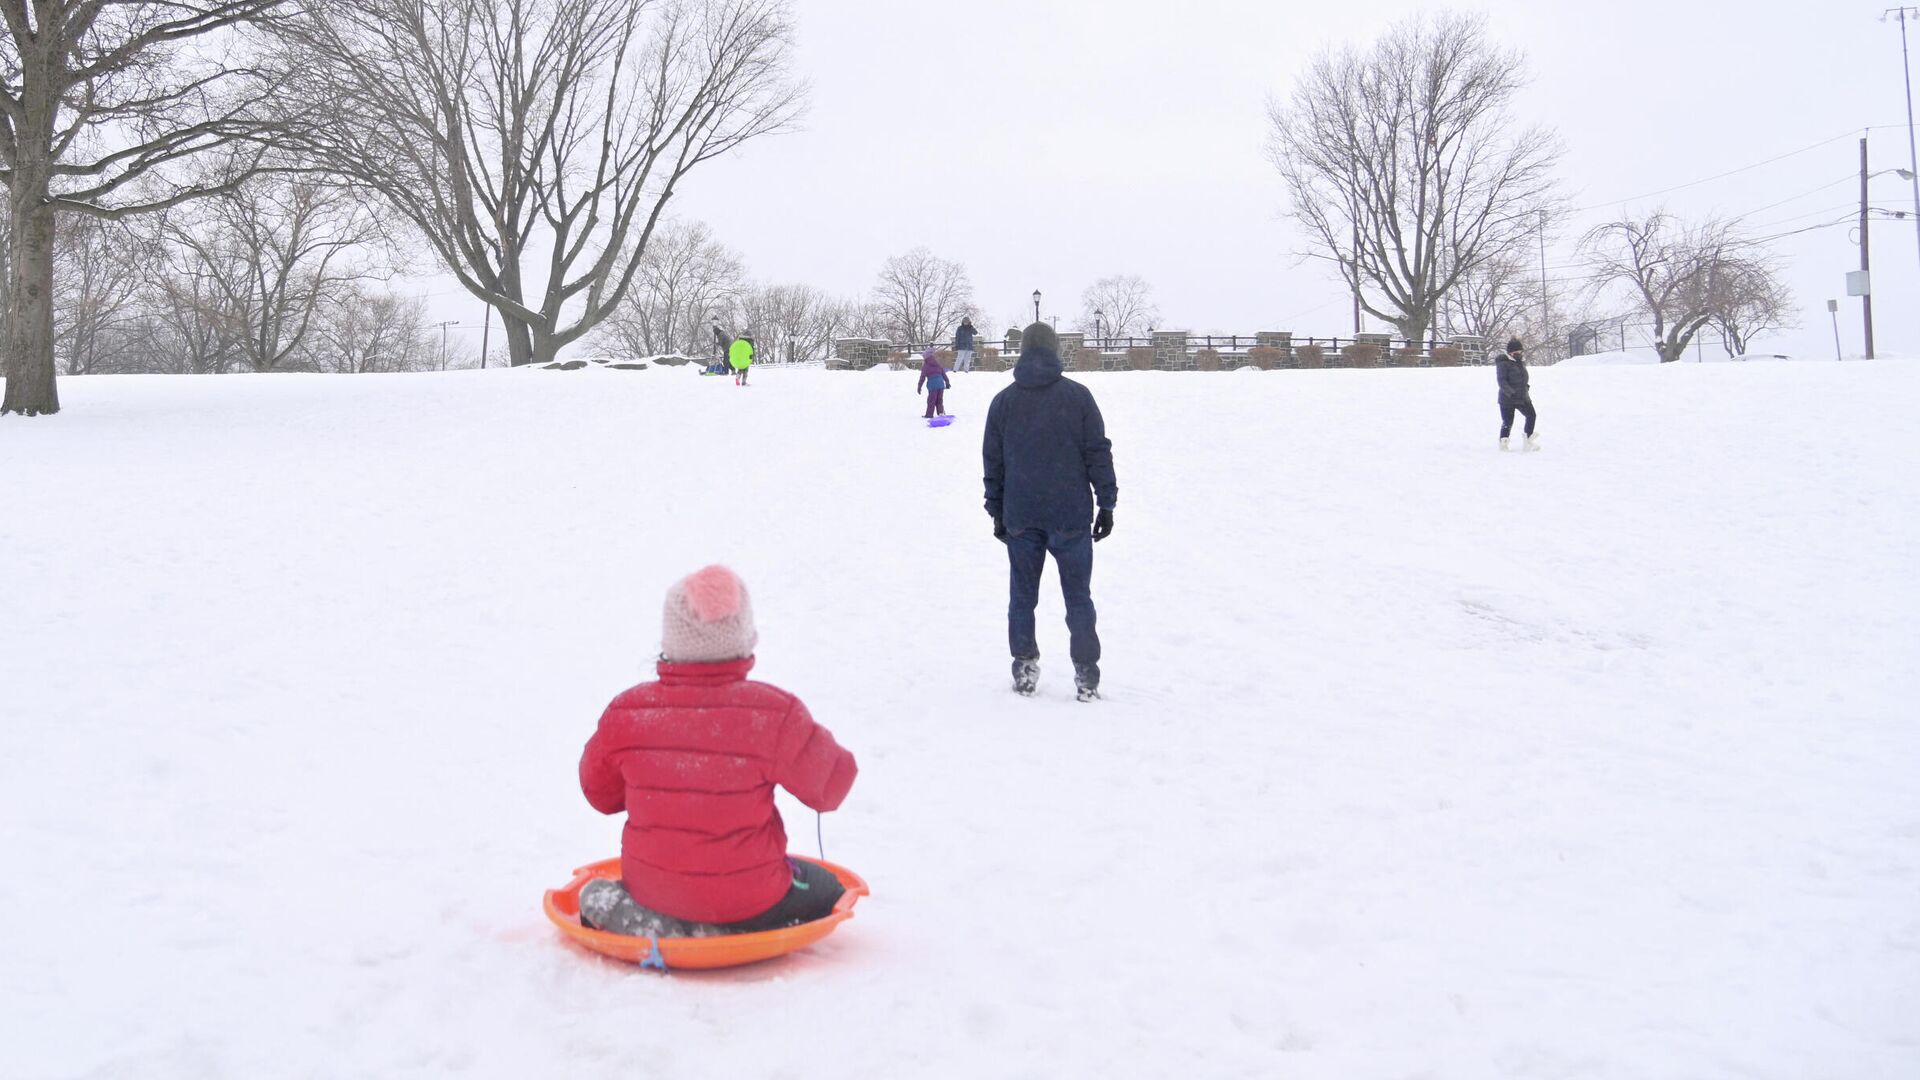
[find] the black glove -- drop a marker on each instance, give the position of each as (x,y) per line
(999,529)
(1102,525)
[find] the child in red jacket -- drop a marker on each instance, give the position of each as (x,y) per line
(693,759)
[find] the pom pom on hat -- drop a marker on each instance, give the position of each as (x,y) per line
(714,594)
(708,619)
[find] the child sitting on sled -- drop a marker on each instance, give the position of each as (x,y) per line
(934,380)
(692,759)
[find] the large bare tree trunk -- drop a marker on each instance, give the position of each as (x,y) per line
(519,335)
(30,368)
(105,107)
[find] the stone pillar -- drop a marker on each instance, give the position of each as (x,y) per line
(1170,350)
(1281,341)
(859,354)
(1071,346)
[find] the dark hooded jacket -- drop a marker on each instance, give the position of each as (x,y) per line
(1513,378)
(1046,450)
(963,338)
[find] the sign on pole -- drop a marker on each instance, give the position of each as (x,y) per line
(1859,283)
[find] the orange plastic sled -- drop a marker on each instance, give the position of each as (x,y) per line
(727,950)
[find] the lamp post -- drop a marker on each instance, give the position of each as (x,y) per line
(1098,338)
(1036,305)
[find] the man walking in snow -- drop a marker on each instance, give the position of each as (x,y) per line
(1049,464)
(1516,395)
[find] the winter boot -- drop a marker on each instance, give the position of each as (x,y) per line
(1086,681)
(1533,442)
(1503,442)
(1026,676)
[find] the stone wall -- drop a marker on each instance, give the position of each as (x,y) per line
(859,354)
(1174,350)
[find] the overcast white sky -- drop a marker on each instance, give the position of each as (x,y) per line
(1044,144)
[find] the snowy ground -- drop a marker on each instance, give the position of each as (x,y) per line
(1420,760)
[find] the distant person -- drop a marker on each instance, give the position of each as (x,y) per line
(692,761)
(1048,464)
(721,340)
(740,355)
(1510,368)
(963,341)
(933,382)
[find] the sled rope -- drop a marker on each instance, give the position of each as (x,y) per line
(654,957)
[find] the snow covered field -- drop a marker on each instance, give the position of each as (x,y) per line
(1419,760)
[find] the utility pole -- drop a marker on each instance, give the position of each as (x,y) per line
(1866,261)
(1546,305)
(486,329)
(443,337)
(1913,148)
(1357,325)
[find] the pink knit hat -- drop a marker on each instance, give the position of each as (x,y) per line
(709,618)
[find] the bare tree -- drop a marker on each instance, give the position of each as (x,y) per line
(547,131)
(1492,301)
(685,279)
(361,331)
(273,252)
(99,276)
(101,104)
(1406,166)
(188,334)
(920,296)
(1752,300)
(793,323)
(1125,303)
(1680,276)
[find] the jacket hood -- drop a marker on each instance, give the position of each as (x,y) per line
(1039,366)
(929,365)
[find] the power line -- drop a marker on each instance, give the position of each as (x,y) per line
(1851,133)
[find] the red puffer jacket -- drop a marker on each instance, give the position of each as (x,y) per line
(693,759)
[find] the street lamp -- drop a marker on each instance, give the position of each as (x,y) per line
(1098,337)
(1036,305)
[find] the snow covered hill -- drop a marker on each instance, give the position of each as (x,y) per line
(1419,760)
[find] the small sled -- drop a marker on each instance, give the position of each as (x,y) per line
(695,954)
(939,421)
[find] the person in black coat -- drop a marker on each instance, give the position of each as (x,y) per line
(1050,490)
(963,340)
(1516,395)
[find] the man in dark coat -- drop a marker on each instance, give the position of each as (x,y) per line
(1049,464)
(963,346)
(1516,395)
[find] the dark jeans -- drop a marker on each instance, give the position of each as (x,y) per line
(936,403)
(1072,552)
(606,905)
(1524,408)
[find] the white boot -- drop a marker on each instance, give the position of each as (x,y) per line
(1503,442)
(1533,442)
